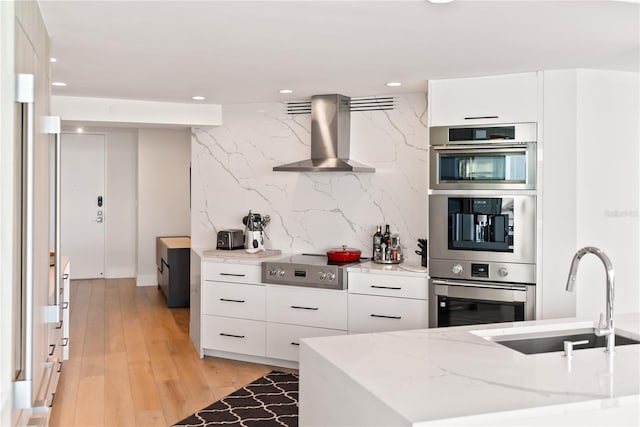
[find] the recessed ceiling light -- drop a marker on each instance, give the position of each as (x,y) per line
(61,84)
(54,60)
(439,1)
(394,84)
(286,91)
(79,130)
(198,98)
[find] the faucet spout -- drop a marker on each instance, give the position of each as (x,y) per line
(605,327)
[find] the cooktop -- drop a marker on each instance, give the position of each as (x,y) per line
(309,270)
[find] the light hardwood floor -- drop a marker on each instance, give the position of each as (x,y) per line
(132,362)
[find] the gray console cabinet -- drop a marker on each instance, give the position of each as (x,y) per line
(173,262)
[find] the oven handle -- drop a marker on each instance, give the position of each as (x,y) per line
(475,147)
(482,148)
(480,291)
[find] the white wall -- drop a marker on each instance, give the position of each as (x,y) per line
(163,193)
(608,177)
(557,185)
(121,196)
(312,212)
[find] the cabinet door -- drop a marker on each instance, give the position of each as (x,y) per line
(283,341)
(388,285)
(233,300)
(376,314)
(233,335)
(483,100)
(231,272)
(66,296)
(307,307)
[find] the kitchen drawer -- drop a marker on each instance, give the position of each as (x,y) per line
(233,300)
(228,272)
(233,335)
(388,285)
(308,307)
(56,339)
(369,313)
(283,341)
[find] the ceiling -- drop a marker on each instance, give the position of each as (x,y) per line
(240,52)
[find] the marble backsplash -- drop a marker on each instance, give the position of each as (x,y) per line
(312,212)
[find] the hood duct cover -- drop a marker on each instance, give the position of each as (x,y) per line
(330,138)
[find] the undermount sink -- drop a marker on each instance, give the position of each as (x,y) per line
(551,341)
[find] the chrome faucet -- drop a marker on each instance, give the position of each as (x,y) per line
(603,329)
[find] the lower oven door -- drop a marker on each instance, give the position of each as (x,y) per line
(455,303)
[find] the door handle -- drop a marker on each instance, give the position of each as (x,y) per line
(99,219)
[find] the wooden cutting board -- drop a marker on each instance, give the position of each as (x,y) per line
(241,253)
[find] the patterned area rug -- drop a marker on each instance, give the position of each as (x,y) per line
(271,400)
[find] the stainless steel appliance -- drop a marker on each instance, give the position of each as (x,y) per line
(482,258)
(483,227)
(254,230)
(469,292)
(230,239)
(308,270)
(483,157)
(330,138)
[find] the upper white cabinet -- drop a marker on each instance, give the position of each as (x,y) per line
(509,98)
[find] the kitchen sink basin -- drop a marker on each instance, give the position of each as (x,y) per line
(548,342)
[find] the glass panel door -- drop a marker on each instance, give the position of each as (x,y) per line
(461,312)
(509,166)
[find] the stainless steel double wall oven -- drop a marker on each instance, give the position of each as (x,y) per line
(482,224)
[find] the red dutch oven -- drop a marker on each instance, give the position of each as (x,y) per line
(343,254)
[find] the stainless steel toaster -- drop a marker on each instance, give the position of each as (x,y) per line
(230,239)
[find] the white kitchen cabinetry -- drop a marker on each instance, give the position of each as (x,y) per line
(320,308)
(57,350)
(511,98)
(294,313)
(233,335)
(283,340)
(243,319)
(233,309)
(387,302)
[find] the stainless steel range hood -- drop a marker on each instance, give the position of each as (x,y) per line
(330,132)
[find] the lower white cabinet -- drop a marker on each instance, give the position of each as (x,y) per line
(244,319)
(233,335)
(369,313)
(387,301)
(283,341)
(233,300)
(319,308)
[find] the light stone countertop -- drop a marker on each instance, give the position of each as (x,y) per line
(206,255)
(455,376)
(404,269)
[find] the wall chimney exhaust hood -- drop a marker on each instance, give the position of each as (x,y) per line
(330,132)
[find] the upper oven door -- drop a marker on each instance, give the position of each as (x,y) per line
(483,228)
(483,158)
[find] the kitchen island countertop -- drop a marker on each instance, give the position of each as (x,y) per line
(456,376)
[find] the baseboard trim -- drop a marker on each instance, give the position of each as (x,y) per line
(120,273)
(146,280)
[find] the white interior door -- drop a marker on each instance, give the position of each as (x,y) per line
(83,203)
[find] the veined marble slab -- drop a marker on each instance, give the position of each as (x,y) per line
(232,172)
(451,375)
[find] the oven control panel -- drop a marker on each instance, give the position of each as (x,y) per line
(482,271)
(316,276)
